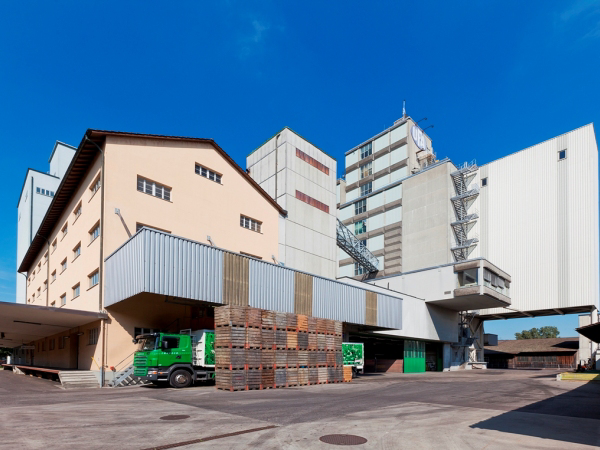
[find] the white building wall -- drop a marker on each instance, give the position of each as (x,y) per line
(539,222)
(60,159)
(307,236)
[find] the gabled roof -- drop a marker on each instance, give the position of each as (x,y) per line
(550,345)
(81,162)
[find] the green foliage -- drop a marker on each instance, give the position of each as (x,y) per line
(538,333)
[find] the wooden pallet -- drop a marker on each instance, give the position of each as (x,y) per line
(230,356)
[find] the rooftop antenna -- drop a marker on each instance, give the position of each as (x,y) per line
(404,109)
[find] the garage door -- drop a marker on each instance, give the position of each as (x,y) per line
(414,356)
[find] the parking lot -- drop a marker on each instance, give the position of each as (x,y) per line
(476,409)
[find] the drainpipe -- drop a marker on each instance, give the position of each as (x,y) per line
(101,266)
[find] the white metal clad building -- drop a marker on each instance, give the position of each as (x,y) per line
(539,223)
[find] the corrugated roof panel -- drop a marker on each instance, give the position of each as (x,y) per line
(389,311)
(271,287)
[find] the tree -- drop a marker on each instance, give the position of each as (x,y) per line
(538,333)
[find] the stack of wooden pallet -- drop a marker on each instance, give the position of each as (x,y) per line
(258,349)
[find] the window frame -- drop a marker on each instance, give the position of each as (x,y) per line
(366,170)
(77,251)
(92,232)
(563,152)
(63,299)
(95,274)
(154,186)
(93,335)
(363,188)
(363,222)
(254,225)
(199,169)
(360,207)
(366,150)
(64,265)
(76,291)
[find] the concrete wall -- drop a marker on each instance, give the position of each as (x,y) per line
(427,213)
(307,235)
(422,320)
(61,159)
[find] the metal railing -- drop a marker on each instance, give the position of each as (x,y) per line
(357,251)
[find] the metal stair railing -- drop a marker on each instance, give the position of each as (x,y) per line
(353,247)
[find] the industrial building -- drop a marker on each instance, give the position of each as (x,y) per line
(149,232)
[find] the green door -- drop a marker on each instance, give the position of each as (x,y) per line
(414,356)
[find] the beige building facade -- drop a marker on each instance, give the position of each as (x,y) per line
(116,184)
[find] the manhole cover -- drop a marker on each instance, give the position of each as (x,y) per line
(342,439)
(174,417)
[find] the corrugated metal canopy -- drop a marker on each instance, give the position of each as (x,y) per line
(21,324)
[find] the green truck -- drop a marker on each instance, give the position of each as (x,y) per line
(179,359)
(354,355)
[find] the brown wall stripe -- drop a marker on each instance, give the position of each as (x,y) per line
(235,280)
(371,309)
(303,290)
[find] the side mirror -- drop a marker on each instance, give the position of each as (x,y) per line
(164,345)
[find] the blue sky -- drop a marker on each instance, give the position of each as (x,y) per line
(492,77)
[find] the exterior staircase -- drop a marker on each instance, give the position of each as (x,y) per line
(353,247)
(78,379)
(465,219)
(126,377)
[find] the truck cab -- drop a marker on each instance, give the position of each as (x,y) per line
(178,359)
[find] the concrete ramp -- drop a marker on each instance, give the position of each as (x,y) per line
(78,379)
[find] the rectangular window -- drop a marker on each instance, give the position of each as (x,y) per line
(360,227)
(170,342)
(65,230)
(312,161)
(77,211)
(54,246)
(52,344)
(484,181)
(77,251)
(44,346)
(138,331)
(76,290)
(366,188)
(358,269)
(366,170)
(95,186)
(63,300)
(53,275)
(39,267)
(360,207)
(45,284)
(39,291)
(45,257)
(251,224)
(363,242)
(53,304)
(312,202)
(95,232)
(93,336)
(562,154)
(94,277)
(366,150)
(153,188)
(207,173)
(63,265)
(61,342)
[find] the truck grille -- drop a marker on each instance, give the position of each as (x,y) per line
(140,371)
(139,360)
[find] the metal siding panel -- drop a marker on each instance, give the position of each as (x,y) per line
(389,311)
(271,287)
(526,233)
(338,301)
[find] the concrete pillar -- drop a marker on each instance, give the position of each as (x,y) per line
(446,357)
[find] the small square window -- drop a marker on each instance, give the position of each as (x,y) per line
(484,181)
(562,154)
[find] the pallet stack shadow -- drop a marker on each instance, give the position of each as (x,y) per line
(259,349)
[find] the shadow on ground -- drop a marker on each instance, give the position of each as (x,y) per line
(553,418)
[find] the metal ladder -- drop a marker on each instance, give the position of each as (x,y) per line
(461,202)
(357,251)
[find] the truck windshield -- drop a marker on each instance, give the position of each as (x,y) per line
(147,343)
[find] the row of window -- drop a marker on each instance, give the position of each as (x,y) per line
(207,173)
(45,192)
(93,280)
(366,170)
(312,161)
(366,150)
(312,202)
(93,334)
(153,188)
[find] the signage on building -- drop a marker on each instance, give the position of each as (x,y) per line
(419,137)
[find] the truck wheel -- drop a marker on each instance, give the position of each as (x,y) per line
(180,379)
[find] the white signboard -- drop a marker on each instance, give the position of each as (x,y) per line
(419,137)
